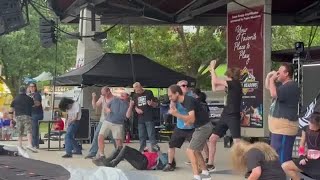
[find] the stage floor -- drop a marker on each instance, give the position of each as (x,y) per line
(183,171)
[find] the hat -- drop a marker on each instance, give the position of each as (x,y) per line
(22,90)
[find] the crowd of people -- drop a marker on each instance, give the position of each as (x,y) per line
(256,161)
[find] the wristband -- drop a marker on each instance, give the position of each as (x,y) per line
(301,151)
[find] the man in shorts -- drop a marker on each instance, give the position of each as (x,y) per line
(197,116)
(230,117)
(118,110)
(21,108)
(182,132)
(105,97)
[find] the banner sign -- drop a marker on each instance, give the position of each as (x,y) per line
(245,51)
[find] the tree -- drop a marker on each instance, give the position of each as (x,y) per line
(22,56)
(284,37)
(176,47)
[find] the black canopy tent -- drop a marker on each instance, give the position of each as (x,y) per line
(114,69)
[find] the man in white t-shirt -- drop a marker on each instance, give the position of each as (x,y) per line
(73,110)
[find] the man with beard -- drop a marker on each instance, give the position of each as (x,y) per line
(197,116)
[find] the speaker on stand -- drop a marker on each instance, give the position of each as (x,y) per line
(11,15)
(83,133)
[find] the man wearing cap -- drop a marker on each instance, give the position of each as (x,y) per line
(21,108)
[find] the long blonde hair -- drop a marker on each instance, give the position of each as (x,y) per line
(239,150)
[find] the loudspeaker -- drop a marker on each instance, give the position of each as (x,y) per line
(11,16)
(310,87)
(83,132)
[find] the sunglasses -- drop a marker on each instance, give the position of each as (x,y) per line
(183,85)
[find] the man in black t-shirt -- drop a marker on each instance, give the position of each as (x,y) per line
(197,116)
(144,104)
(230,117)
(22,109)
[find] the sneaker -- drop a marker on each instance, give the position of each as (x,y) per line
(90,156)
(205,177)
(187,163)
(32,149)
(168,167)
(67,156)
(99,161)
(211,168)
(77,153)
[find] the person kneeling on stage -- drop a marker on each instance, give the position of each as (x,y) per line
(309,160)
(257,161)
(147,160)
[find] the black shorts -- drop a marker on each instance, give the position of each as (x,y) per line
(231,122)
(310,169)
(179,136)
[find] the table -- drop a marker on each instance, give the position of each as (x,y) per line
(50,122)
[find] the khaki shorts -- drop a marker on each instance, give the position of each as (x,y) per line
(116,130)
(24,125)
(200,137)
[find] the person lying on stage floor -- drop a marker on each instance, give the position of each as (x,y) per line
(309,160)
(147,160)
(258,161)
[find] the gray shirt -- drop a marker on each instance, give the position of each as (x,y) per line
(118,112)
(286,104)
(103,105)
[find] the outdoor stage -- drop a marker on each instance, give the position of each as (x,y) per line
(83,167)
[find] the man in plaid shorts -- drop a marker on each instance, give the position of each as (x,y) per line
(22,109)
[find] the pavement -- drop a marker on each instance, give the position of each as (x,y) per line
(183,171)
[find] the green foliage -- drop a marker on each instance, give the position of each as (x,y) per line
(184,49)
(284,37)
(22,56)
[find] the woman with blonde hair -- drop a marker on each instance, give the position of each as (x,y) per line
(258,160)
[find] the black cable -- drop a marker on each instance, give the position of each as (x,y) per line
(131,56)
(42,16)
(54,80)
(75,16)
(251,9)
(60,13)
(312,34)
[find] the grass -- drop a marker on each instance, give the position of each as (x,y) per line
(43,128)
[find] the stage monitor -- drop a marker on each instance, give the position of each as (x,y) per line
(83,132)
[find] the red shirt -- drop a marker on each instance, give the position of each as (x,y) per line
(59,125)
(152,159)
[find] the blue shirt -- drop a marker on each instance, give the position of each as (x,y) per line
(183,111)
(118,111)
(5,122)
